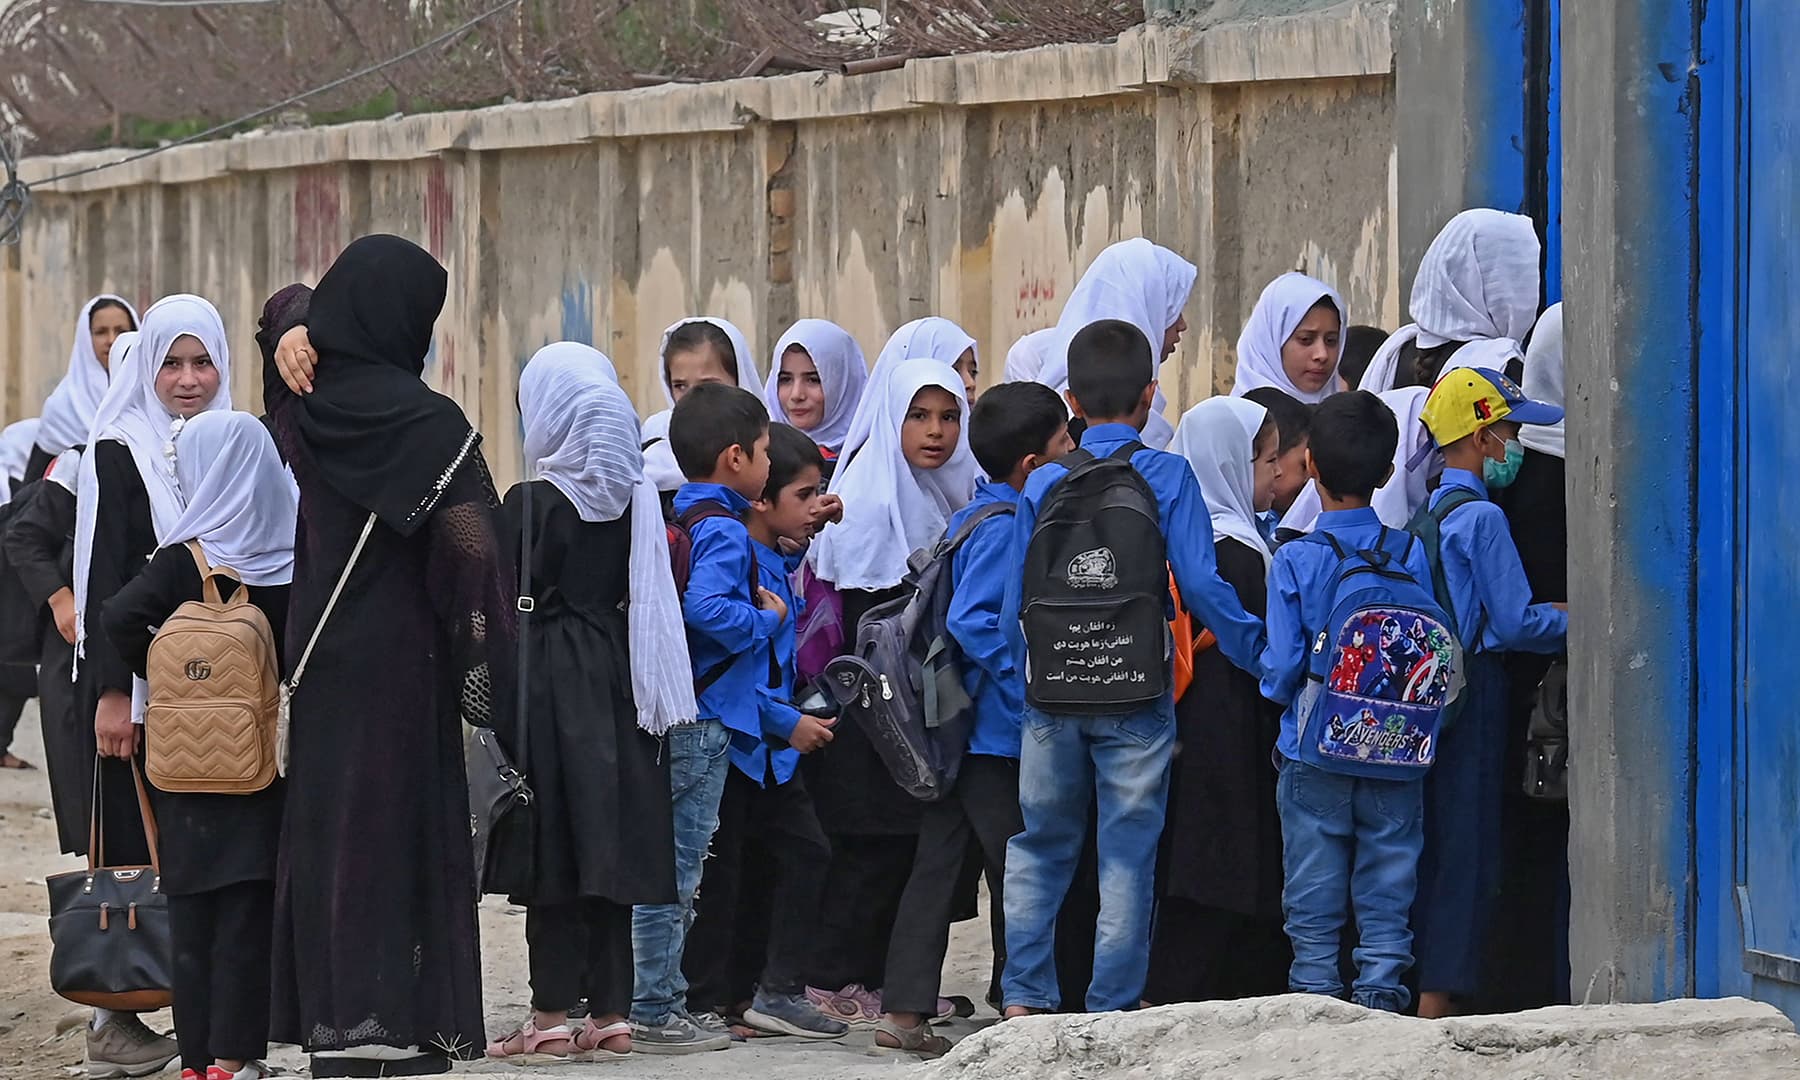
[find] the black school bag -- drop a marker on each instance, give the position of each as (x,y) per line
(1094,607)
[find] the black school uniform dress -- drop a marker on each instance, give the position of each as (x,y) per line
(605,826)
(124,540)
(1528,946)
(40,548)
(873,826)
(218,851)
(1218,932)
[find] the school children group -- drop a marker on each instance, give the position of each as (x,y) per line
(1224,695)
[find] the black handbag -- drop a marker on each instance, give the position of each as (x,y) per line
(1547,738)
(502,808)
(109,925)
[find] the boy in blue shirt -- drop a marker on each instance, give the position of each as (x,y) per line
(1013,429)
(1474,415)
(720,437)
(1347,841)
(765,810)
(1069,761)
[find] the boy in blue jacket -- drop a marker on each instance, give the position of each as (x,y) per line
(1013,429)
(1348,842)
(1474,415)
(720,437)
(1121,761)
(766,813)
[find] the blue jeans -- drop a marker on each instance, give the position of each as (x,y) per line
(1065,761)
(1350,843)
(698,764)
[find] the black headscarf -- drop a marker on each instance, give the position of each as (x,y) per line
(380,436)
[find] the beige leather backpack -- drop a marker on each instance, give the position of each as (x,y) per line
(214,693)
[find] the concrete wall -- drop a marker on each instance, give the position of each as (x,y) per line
(973,187)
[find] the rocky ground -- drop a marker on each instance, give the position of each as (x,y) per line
(1285,1038)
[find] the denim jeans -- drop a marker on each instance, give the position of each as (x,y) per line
(1350,843)
(698,764)
(1122,762)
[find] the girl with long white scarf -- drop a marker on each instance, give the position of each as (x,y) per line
(1026,359)
(1220,889)
(1293,340)
(816,383)
(68,412)
(1416,463)
(17,440)
(608,676)
(1146,286)
(128,497)
(695,350)
(218,851)
(932,337)
(1476,295)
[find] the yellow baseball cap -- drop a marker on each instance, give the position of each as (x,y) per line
(1466,400)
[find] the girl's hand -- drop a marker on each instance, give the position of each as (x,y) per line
(62,609)
(114,733)
(831,509)
(295,359)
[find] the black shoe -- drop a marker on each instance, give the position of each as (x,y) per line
(426,1064)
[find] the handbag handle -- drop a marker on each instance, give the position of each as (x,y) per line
(293,683)
(96,854)
(527,604)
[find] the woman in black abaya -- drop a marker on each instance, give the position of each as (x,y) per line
(377,967)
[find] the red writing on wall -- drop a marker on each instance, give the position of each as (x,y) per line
(439,209)
(1035,296)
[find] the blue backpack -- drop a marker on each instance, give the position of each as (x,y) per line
(1383,669)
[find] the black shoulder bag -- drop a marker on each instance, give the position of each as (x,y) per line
(502,808)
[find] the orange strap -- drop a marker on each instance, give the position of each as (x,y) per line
(1188,644)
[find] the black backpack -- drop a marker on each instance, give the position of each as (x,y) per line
(1095,602)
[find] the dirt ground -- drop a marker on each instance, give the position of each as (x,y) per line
(40,1033)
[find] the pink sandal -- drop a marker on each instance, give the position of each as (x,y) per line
(590,1042)
(529,1046)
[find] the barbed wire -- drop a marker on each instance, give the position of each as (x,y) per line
(81,74)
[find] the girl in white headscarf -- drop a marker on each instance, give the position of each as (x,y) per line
(1146,286)
(931,337)
(1416,462)
(1476,295)
(218,851)
(1026,359)
(1220,892)
(69,410)
(816,382)
(17,441)
(693,351)
(608,675)
(1293,340)
(913,471)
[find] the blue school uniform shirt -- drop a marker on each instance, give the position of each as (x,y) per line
(1487,581)
(1300,602)
(776,715)
(978,591)
(721,613)
(1186,528)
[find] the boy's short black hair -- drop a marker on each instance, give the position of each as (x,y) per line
(1291,415)
(1353,439)
(791,451)
(1110,365)
(710,419)
(1361,343)
(696,334)
(1011,422)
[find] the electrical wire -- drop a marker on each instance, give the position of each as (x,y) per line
(442,38)
(15,197)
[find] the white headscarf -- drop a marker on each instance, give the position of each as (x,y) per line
(933,337)
(1025,360)
(659,460)
(1544,381)
(1280,309)
(892,509)
(1396,501)
(581,434)
(1218,438)
(1141,283)
(69,410)
(1478,283)
(241,500)
(16,444)
(132,414)
(843,373)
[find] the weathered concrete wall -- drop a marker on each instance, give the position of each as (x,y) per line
(972,187)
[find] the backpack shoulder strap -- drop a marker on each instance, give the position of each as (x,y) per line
(1452,502)
(994,509)
(1127,451)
